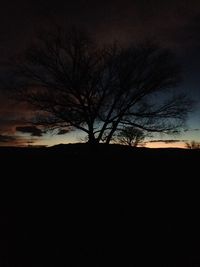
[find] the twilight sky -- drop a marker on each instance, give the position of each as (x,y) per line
(173,23)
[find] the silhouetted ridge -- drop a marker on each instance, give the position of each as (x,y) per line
(82,205)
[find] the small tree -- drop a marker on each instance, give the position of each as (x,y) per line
(192,145)
(131,136)
(74,83)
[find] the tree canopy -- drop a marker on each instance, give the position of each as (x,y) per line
(75,83)
(131,136)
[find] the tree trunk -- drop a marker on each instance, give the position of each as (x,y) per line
(114,128)
(108,139)
(91,139)
(110,135)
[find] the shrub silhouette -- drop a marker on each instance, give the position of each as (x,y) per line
(131,136)
(192,145)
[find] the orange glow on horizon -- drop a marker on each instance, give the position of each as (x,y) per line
(165,145)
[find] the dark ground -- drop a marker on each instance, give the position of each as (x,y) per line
(76,205)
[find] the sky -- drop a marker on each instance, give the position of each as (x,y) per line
(175,24)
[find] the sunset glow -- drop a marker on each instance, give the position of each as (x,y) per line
(100,133)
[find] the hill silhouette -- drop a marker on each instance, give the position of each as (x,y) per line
(99,205)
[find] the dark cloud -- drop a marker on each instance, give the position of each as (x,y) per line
(62,131)
(14,140)
(114,19)
(170,141)
(192,130)
(7,138)
(33,130)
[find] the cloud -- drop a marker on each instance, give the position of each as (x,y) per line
(33,130)
(192,130)
(7,138)
(62,131)
(167,141)
(14,140)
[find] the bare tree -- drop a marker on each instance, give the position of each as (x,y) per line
(73,83)
(131,136)
(192,145)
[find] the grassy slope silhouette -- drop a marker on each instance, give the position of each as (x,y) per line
(110,205)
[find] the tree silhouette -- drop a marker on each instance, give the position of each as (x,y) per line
(131,136)
(192,145)
(75,83)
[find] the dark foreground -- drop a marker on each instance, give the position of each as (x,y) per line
(77,205)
